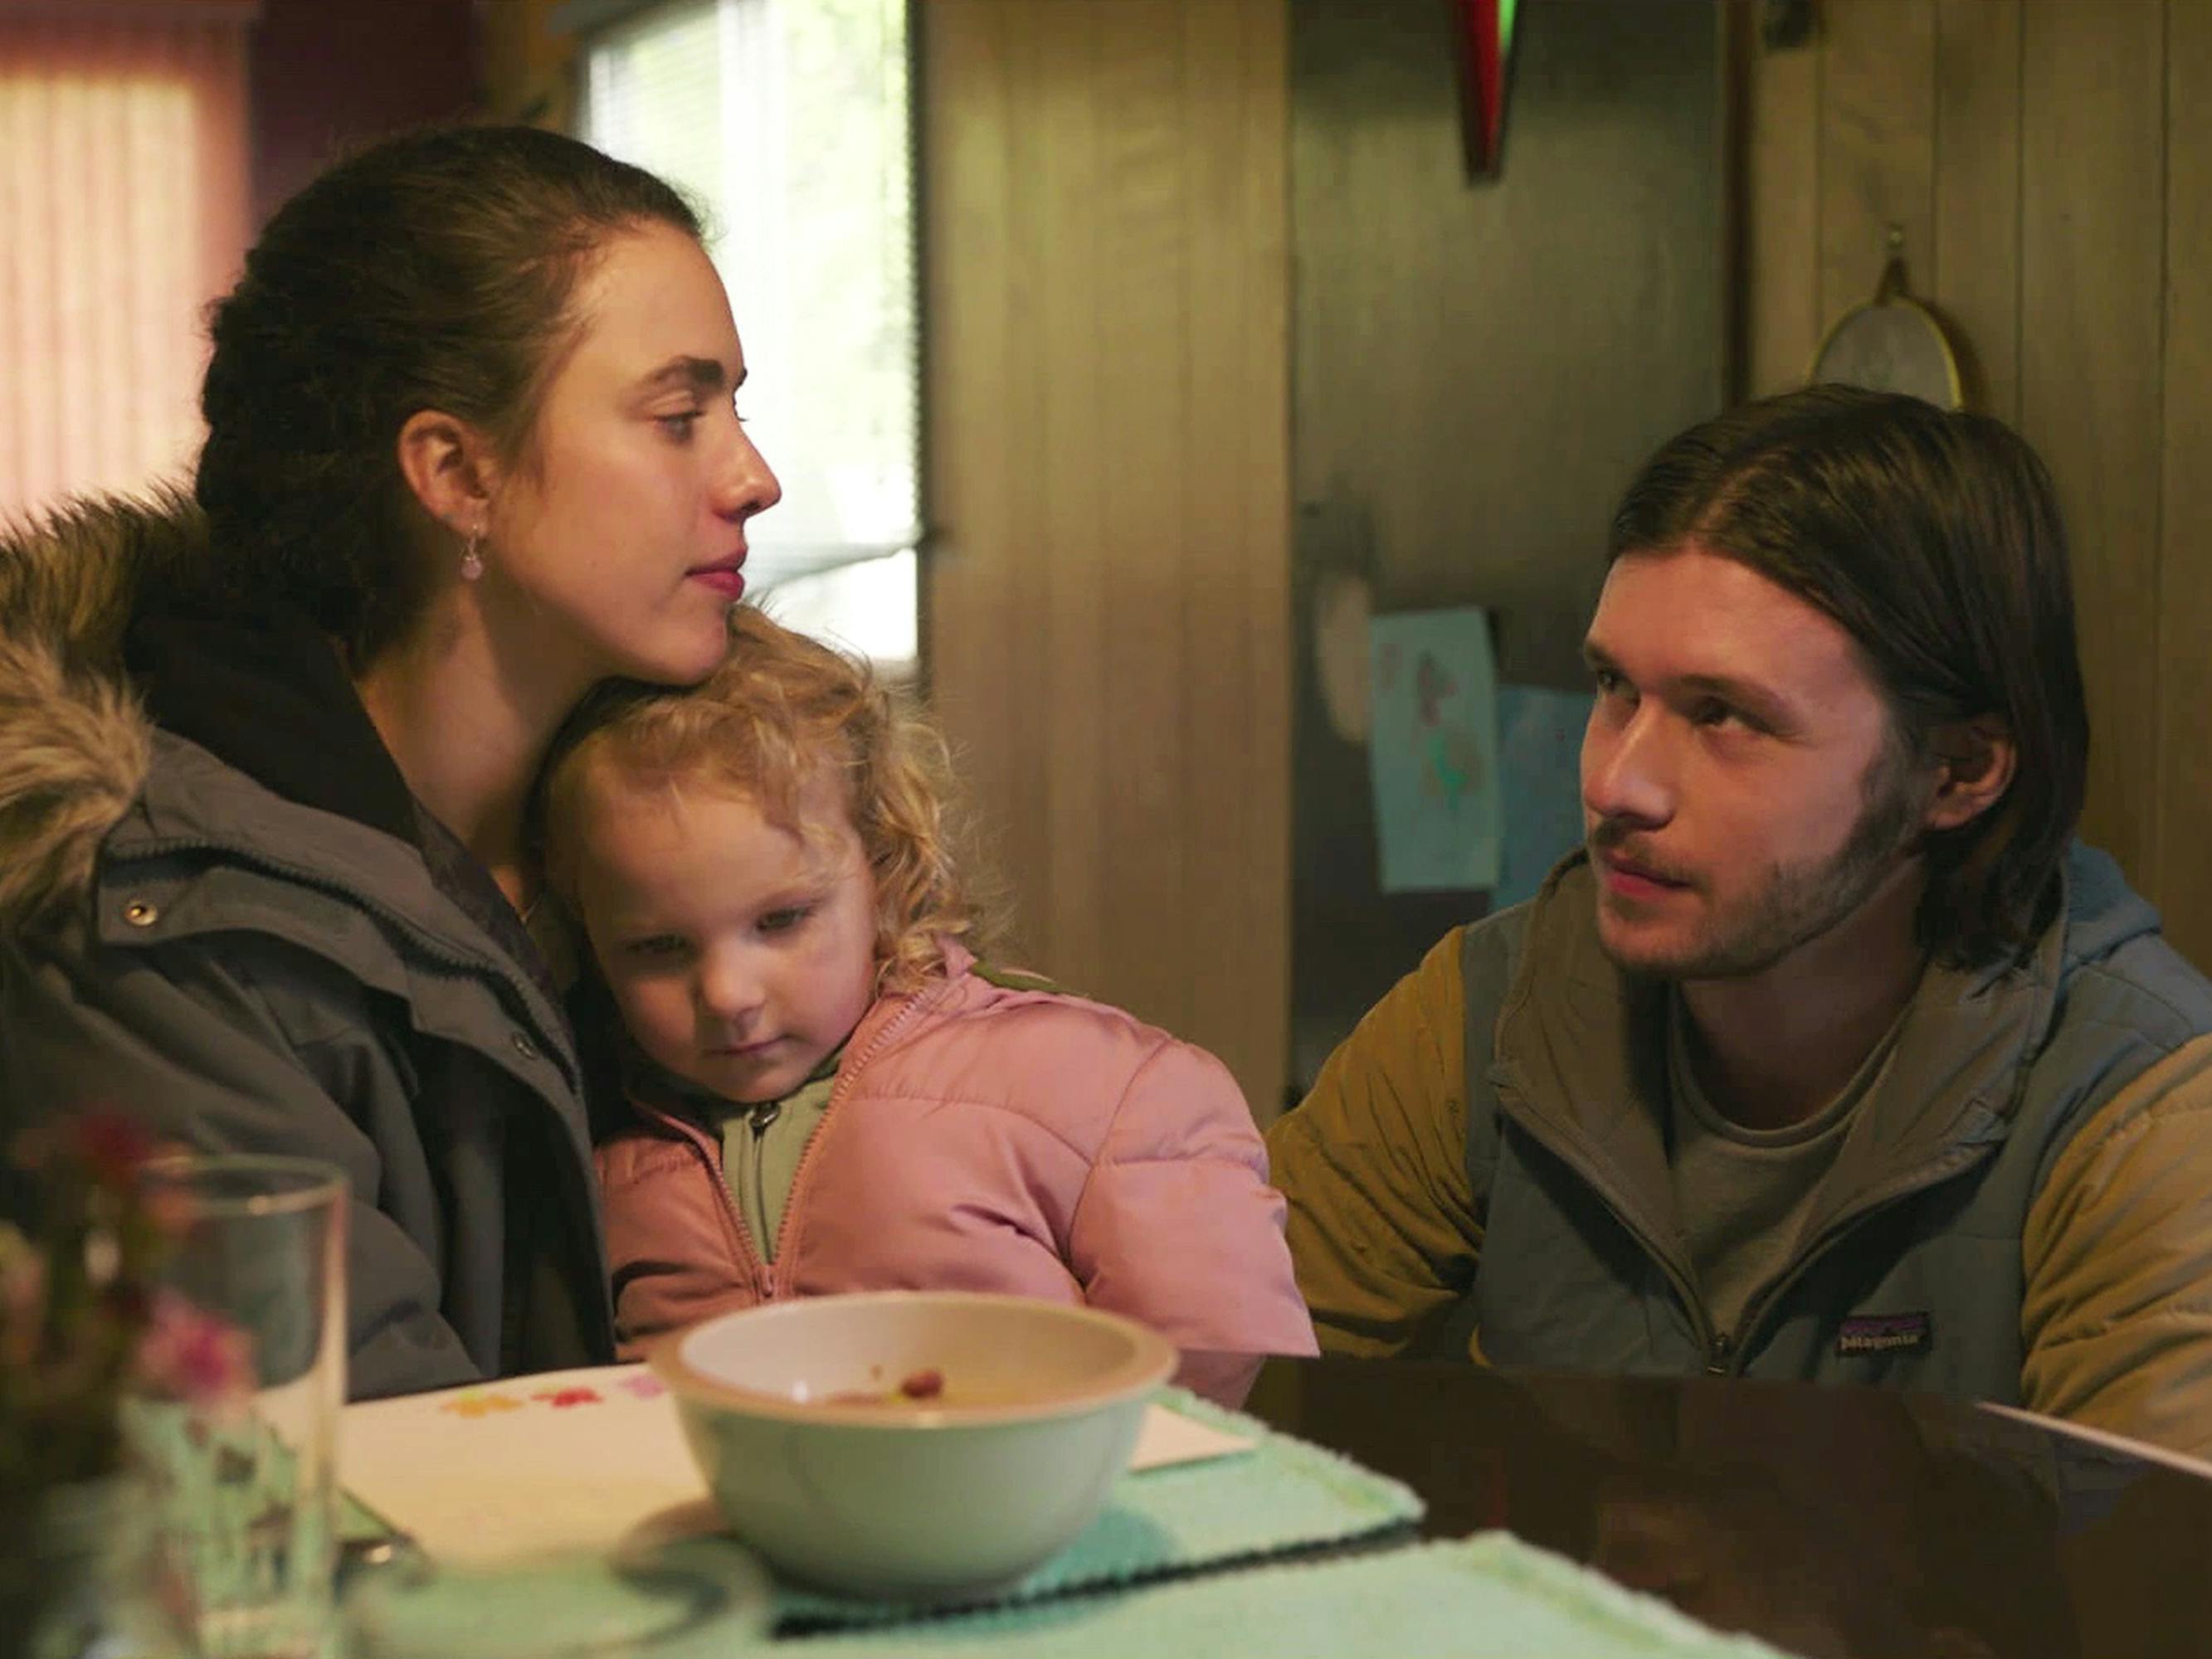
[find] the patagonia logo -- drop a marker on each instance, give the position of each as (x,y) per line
(1879,1333)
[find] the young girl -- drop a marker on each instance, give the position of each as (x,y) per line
(831,1092)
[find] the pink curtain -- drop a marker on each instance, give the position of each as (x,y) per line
(124,190)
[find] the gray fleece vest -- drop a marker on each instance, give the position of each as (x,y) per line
(1909,1274)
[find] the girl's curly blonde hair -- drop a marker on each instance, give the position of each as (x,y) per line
(782,708)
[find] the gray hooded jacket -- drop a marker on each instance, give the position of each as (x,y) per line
(2020,1210)
(236,936)
(1909,1272)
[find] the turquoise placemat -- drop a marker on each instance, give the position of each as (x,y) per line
(1486,1597)
(1283,1495)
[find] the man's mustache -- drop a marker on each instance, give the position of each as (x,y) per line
(1613,838)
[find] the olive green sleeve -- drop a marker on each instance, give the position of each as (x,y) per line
(1383,1230)
(2116,1251)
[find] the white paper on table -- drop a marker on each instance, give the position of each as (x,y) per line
(575,1462)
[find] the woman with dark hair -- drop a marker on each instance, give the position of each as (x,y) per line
(265,755)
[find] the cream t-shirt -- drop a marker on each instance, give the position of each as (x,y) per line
(1742,1195)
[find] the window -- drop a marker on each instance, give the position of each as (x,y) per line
(123,179)
(788,121)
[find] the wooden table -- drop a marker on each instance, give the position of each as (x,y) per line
(1829,1521)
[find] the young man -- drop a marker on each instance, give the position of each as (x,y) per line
(1829,1055)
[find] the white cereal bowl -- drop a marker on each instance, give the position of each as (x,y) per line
(912,1499)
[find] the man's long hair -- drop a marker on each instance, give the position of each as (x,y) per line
(1933,537)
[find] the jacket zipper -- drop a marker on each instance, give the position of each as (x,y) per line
(1719,1350)
(770,1279)
(759,1118)
(1724,1351)
(847,1074)
(1954,1161)
(709,1155)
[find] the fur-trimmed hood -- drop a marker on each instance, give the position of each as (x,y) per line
(213,913)
(75,743)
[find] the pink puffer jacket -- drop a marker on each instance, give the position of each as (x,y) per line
(982,1138)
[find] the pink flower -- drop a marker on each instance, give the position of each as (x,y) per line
(169,1211)
(112,1147)
(194,1357)
(22,1299)
(109,1145)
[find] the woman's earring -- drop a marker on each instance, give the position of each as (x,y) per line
(472,560)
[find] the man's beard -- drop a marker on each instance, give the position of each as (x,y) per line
(1797,904)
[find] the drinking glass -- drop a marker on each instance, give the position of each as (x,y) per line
(238,1449)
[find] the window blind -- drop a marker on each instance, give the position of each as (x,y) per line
(124,205)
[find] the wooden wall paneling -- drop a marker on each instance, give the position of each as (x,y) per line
(530,70)
(2185,677)
(1428,525)
(1324,344)
(1463,347)
(1780,306)
(1024,633)
(1107,303)
(2093,209)
(985,566)
(1975,280)
(1387,228)
(967,189)
(1134,597)
(1877,124)
(1235,508)
(1262,735)
(1061,209)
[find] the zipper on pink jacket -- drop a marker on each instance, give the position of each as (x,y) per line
(770,1279)
(779,1271)
(710,1155)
